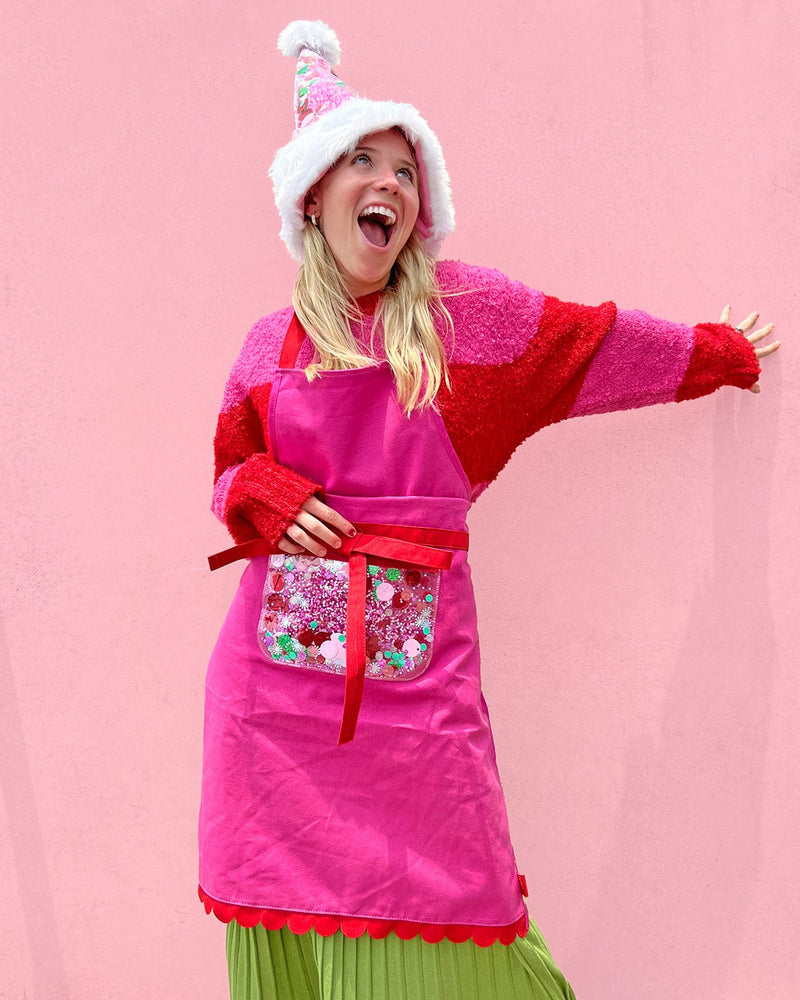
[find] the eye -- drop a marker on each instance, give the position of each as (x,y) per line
(361,158)
(409,173)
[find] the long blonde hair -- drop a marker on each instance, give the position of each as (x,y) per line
(411,300)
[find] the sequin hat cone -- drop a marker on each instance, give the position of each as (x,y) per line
(329,120)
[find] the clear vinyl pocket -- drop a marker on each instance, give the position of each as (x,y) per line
(304,614)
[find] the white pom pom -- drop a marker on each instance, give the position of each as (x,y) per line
(312,35)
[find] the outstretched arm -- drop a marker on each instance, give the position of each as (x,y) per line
(523,360)
(644,360)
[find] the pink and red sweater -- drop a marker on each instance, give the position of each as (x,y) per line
(520,360)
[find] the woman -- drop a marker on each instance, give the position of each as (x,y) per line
(353,831)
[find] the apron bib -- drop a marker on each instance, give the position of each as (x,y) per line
(400,821)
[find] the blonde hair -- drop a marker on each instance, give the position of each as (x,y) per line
(411,300)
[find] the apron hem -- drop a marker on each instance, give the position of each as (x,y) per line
(326,924)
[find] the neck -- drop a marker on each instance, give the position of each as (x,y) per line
(358,289)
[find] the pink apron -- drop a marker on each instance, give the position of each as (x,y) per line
(349,774)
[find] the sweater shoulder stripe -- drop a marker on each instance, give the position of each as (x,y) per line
(494,407)
(258,358)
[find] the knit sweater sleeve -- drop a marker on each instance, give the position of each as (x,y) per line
(522,360)
(255,496)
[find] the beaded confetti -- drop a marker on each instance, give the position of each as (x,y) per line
(304,613)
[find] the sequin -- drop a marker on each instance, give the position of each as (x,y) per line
(333,650)
(412,648)
(401,599)
(304,616)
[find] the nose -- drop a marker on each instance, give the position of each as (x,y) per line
(387,181)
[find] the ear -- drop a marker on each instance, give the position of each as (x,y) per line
(313,204)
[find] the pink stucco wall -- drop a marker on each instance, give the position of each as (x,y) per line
(637,573)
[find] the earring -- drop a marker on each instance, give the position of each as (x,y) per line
(314,222)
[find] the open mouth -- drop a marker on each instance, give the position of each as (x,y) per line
(377,224)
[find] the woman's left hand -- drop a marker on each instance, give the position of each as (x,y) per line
(743,327)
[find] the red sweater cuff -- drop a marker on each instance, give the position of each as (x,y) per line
(264,498)
(721,356)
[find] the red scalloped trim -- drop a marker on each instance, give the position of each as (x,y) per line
(353,927)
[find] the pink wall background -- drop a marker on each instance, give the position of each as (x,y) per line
(637,573)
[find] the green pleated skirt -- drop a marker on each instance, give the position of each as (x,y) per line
(281,965)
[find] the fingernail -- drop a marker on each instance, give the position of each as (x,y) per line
(336,543)
(351,532)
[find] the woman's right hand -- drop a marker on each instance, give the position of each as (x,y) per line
(315,523)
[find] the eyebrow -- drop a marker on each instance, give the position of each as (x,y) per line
(371,149)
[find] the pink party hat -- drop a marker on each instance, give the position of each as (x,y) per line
(329,121)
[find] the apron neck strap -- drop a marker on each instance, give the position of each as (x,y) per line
(291,343)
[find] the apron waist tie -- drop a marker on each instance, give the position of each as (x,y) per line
(407,544)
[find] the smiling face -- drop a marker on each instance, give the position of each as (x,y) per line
(367,205)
